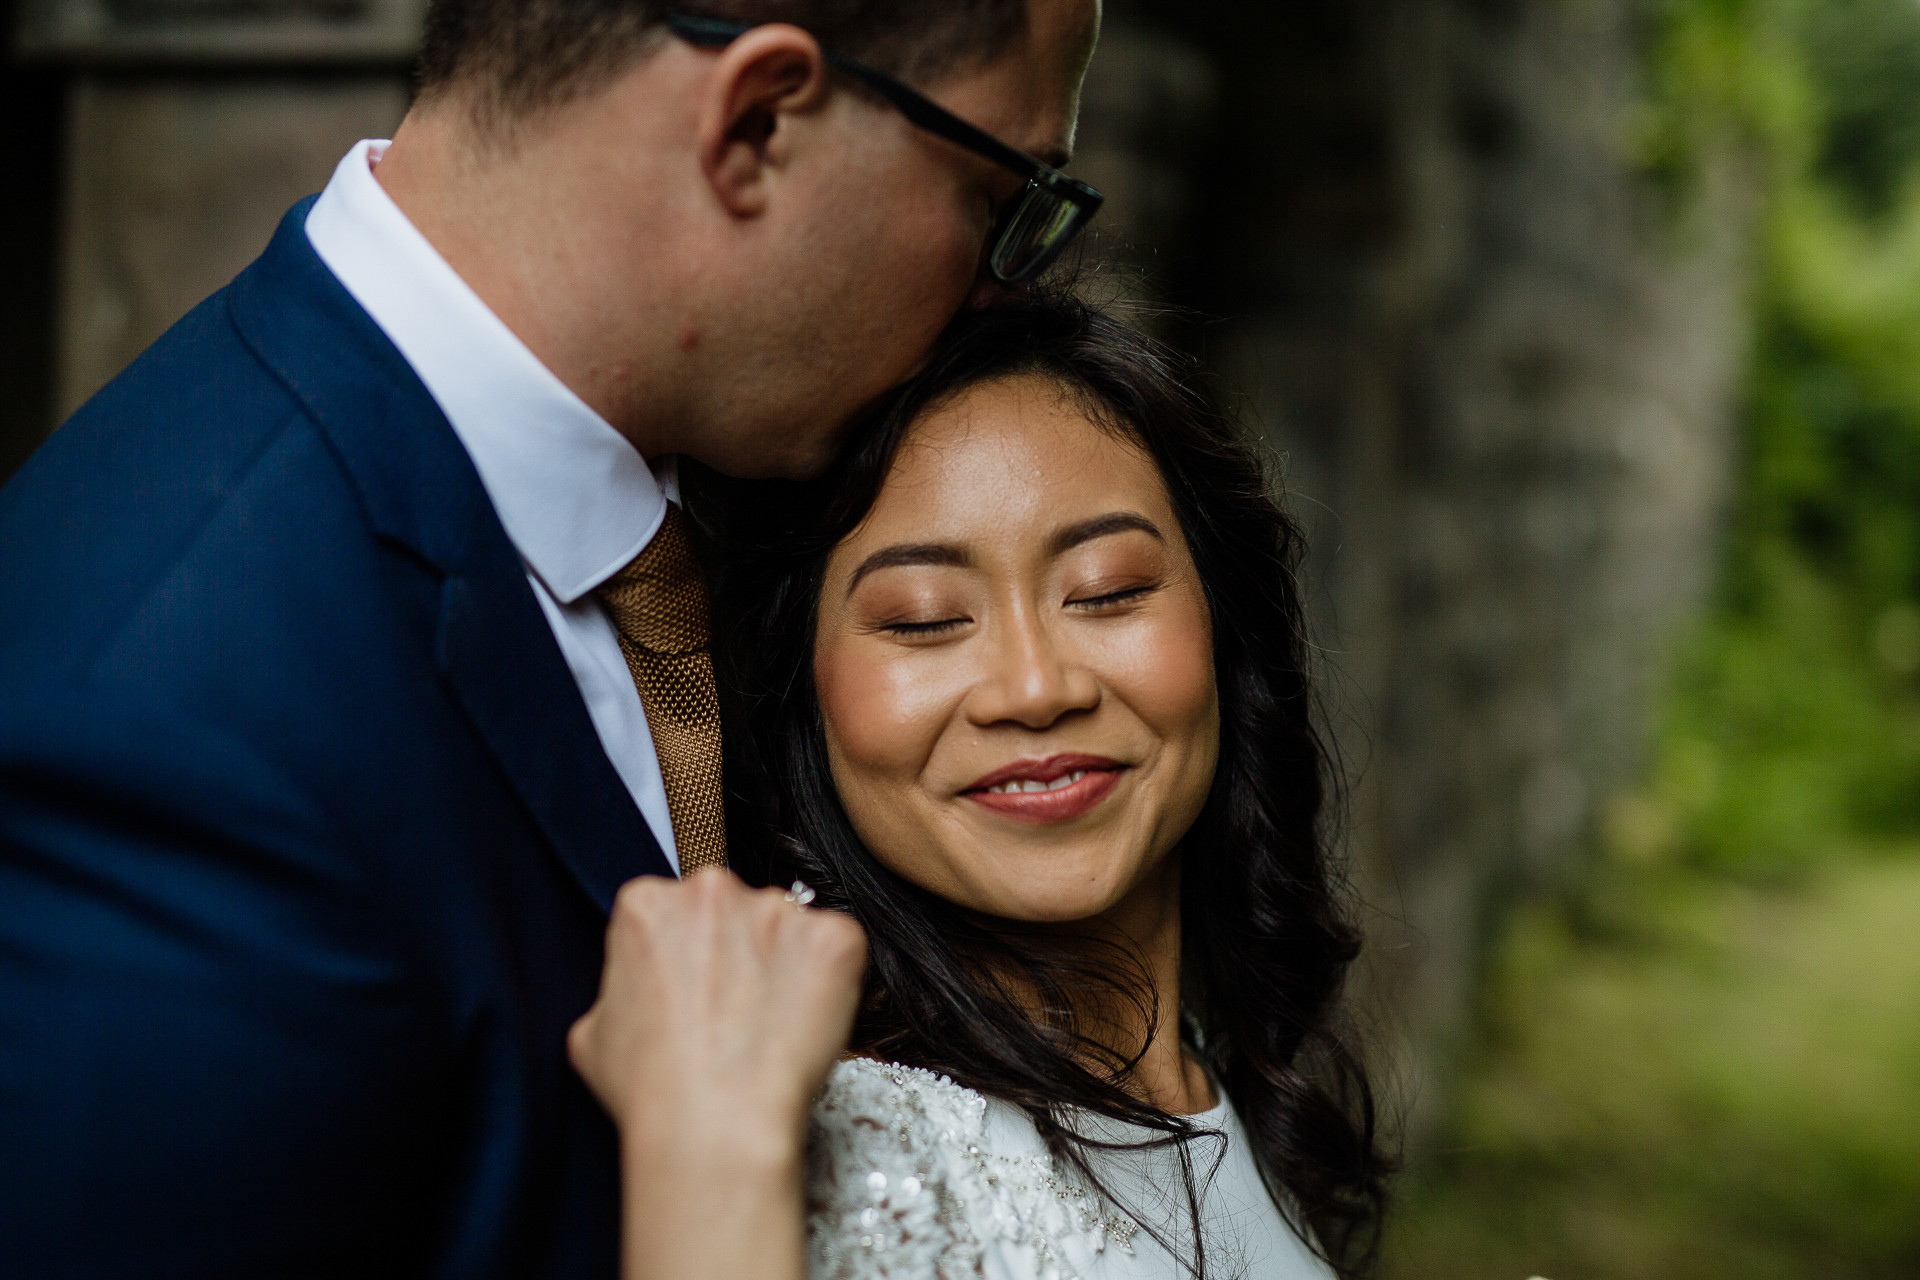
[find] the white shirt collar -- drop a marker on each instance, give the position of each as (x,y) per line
(575,497)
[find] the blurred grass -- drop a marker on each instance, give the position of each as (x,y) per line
(1688,1079)
(1705,1061)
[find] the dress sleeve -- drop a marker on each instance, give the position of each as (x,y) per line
(882,1199)
(911,1177)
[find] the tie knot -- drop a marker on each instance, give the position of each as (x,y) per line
(659,601)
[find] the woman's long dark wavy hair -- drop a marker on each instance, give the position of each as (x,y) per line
(1266,939)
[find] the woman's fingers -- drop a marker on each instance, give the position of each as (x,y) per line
(719,1005)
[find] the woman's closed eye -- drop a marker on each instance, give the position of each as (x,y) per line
(912,603)
(1106,596)
(920,628)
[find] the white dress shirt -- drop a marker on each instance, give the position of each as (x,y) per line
(575,497)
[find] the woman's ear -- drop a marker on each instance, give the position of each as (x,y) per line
(770,72)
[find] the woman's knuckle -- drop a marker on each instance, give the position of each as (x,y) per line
(579,1038)
(838,938)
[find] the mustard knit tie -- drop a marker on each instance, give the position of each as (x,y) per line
(658,604)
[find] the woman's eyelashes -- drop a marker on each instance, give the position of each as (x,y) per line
(1102,598)
(915,630)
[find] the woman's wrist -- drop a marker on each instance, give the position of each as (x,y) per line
(679,1152)
(725,1209)
(758,1134)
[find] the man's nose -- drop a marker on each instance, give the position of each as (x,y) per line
(1033,682)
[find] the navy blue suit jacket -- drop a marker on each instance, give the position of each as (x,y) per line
(306,839)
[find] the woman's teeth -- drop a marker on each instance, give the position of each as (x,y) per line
(1022,785)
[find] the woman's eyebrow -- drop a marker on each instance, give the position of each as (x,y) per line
(905,553)
(1099,527)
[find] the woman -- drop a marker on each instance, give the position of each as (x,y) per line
(1025,695)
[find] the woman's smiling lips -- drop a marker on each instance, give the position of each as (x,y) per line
(1052,790)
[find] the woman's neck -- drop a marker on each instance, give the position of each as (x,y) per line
(1144,928)
(1147,923)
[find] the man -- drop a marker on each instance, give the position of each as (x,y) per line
(351,656)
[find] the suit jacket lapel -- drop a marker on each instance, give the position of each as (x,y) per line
(502,662)
(421,490)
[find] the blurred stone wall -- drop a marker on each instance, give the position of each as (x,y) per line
(174,184)
(187,128)
(1498,374)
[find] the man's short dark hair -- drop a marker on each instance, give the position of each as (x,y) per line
(519,56)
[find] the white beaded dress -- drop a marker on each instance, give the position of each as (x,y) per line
(913,1177)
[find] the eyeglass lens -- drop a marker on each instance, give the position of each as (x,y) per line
(1035,230)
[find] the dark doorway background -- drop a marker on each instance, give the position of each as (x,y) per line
(33,105)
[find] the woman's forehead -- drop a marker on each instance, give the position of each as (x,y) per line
(1011,444)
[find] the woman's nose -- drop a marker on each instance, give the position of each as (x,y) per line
(1031,680)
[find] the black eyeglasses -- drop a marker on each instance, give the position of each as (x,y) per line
(1032,228)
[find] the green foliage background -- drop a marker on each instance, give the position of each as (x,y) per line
(1705,1061)
(1794,723)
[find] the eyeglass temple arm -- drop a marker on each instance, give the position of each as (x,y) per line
(934,119)
(910,103)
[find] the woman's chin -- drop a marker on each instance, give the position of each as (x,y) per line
(1043,899)
(1051,913)
(1040,874)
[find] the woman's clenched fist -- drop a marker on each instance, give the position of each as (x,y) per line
(721,1009)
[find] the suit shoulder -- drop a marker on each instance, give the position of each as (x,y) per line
(116,495)
(197,395)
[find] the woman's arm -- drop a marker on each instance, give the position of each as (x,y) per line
(721,1010)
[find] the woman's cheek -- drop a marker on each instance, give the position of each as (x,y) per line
(1191,713)
(1165,668)
(1189,699)
(1170,684)
(873,704)
(881,731)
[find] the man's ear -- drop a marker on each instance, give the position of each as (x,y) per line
(771,71)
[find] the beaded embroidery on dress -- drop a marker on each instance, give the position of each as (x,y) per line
(905,1182)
